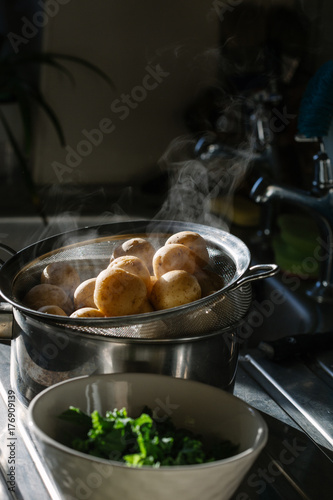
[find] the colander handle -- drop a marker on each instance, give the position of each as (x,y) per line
(258,272)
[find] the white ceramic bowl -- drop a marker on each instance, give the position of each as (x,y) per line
(206,410)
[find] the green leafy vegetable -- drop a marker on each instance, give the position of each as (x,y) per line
(142,440)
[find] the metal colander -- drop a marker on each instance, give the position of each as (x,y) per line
(89,250)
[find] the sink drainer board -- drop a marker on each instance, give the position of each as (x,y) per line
(303,388)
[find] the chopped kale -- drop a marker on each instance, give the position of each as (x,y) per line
(142,440)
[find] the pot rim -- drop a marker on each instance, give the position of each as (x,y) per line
(227,331)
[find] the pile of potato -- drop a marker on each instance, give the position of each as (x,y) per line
(138,279)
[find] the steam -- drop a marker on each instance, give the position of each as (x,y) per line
(196,183)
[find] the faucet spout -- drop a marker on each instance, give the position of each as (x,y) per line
(263,191)
(319,203)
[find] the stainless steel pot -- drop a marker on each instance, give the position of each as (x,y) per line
(42,355)
(197,341)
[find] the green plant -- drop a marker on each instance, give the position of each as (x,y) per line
(16,87)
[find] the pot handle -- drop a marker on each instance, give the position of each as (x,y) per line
(6,321)
(6,310)
(257,272)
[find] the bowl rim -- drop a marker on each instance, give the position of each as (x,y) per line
(257,446)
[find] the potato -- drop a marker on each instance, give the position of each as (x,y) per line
(174,289)
(209,281)
(194,242)
(52,310)
(133,265)
(87,312)
(146,307)
(61,274)
(46,295)
(153,280)
(118,293)
(84,294)
(139,247)
(173,257)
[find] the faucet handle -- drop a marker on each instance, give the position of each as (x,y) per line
(323,176)
(304,138)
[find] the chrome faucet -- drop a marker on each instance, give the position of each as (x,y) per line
(319,203)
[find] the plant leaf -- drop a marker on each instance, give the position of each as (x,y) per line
(85,63)
(46,59)
(51,59)
(26,117)
(38,96)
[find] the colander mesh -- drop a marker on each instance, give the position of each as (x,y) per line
(217,311)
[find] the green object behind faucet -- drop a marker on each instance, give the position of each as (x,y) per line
(295,245)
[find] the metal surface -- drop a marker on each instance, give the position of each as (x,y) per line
(297,404)
(300,391)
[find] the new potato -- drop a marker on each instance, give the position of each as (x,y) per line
(119,293)
(46,295)
(61,274)
(87,312)
(209,281)
(194,242)
(175,288)
(146,307)
(84,294)
(134,265)
(173,257)
(138,247)
(52,310)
